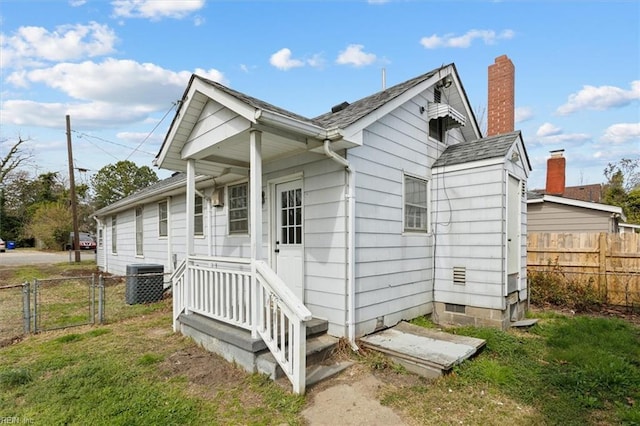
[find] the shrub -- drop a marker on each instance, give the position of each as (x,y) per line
(556,288)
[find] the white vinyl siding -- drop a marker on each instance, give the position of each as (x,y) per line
(394,277)
(469,222)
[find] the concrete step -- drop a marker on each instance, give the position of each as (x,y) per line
(427,352)
(319,350)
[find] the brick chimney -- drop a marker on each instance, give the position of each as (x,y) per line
(555,173)
(501,94)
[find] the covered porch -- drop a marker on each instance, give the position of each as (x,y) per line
(227,136)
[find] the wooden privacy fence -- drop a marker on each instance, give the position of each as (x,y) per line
(609,261)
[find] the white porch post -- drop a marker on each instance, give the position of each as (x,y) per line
(255,218)
(190,204)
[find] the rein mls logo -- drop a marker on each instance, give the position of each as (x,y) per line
(15,421)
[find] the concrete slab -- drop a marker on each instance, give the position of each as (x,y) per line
(525,323)
(420,346)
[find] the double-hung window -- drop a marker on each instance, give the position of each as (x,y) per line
(163,219)
(239,208)
(139,231)
(114,234)
(198,217)
(416,204)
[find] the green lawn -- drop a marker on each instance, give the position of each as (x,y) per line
(565,370)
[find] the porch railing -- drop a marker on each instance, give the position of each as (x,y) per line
(221,288)
(281,324)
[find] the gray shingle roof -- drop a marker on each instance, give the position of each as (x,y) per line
(256,103)
(339,119)
(479,149)
(364,106)
(160,187)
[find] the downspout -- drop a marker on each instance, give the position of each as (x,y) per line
(350,256)
(171,263)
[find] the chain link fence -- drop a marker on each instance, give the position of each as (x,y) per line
(49,304)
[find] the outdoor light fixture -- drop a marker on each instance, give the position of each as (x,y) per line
(445,82)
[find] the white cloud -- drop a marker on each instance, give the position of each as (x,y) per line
(378,1)
(600,98)
(199,20)
(283,61)
(316,61)
(622,132)
(523,114)
(154,9)
(548,129)
(450,40)
(353,55)
(108,93)
(36,45)
(551,134)
(88,115)
(76,3)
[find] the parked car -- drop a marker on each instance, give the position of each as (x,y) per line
(3,247)
(87,242)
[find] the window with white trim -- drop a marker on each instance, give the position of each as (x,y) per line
(139,231)
(198,217)
(114,234)
(163,219)
(239,208)
(416,204)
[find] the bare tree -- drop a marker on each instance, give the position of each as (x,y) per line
(13,158)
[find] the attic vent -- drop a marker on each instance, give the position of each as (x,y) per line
(452,307)
(437,96)
(459,275)
(523,188)
(339,107)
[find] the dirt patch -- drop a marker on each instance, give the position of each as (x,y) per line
(205,372)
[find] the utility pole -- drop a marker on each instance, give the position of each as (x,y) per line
(74,203)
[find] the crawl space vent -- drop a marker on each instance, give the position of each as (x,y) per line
(452,307)
(459,275)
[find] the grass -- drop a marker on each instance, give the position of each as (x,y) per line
(116,374)
(566,370)
(570,370)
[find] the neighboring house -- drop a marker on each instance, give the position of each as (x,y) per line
(558,208)
(384,209)
(549,213)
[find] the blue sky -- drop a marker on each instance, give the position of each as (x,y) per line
(117,68)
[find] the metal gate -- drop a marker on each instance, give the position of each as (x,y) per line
(63,302)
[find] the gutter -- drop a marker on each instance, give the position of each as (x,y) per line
(350,255)
(308,129)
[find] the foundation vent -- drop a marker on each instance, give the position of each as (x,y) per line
(452,307)
(459,275)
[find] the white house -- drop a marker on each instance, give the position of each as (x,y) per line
(384,209)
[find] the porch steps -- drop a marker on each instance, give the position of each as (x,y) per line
(236,345)
(320,347)
(427,352)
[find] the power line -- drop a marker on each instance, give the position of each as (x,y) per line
(173,105)
(85,135)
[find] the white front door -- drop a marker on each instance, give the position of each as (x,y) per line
(289,233)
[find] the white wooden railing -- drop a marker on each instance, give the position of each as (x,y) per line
(281,324)
(221,288)
(177,290)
